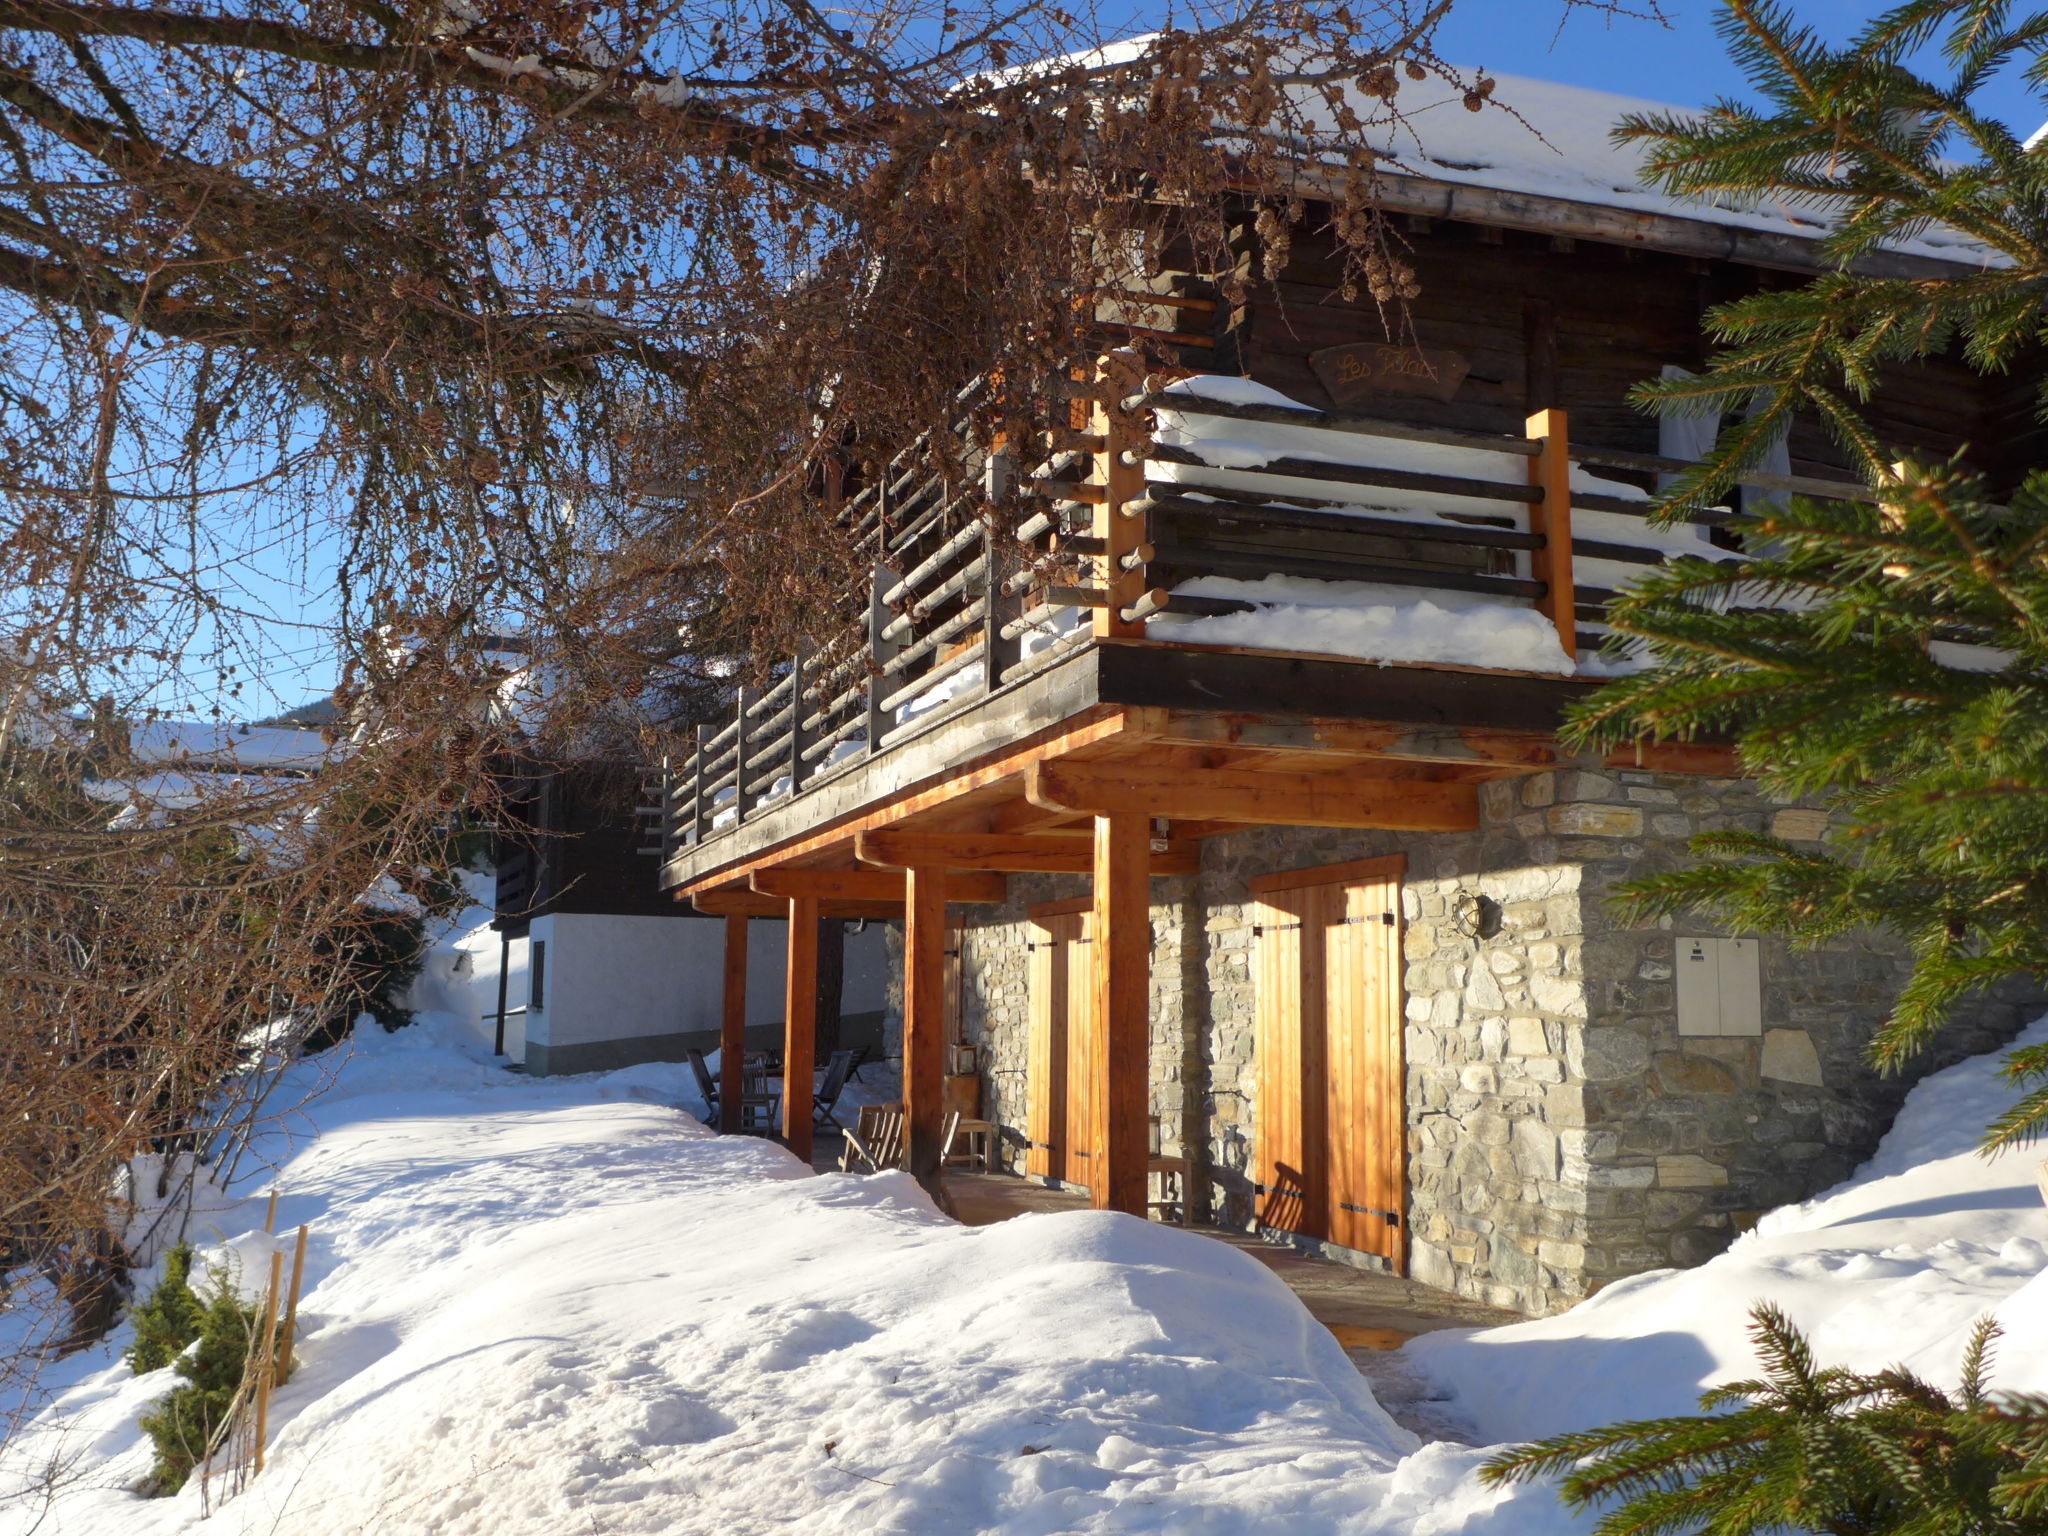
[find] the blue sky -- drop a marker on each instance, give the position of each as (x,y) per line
(1681,61)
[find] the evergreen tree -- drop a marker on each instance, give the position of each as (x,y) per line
(168,1319)
(1889,652)
(1807,1448)
(1898,654)
(1882,152)
(185,1423)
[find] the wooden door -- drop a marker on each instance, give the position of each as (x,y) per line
(1332,1105)
(1058,1100)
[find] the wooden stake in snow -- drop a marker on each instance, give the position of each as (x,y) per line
(270,1214)
(291,1307)
(266,1342)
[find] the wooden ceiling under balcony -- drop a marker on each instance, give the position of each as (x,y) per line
(1029,806)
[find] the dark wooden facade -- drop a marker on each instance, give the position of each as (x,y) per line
(567,841)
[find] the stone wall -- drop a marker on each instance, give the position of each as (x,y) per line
(1562,1134)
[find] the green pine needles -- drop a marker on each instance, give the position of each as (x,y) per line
(167,1320)
(1807,1448)
(188,1421)
(1884,153)
(1897,654)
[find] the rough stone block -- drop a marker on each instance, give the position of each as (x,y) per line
(1789,1057)
(1535,1148)
(1688,1170)
(1800,826)
(1586,786)
(1602,1177)
(1564,996)
(1539,789)
(1580,820)
(1527,1037)
(1678,1074)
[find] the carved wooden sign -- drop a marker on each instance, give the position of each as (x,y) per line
(1362,369)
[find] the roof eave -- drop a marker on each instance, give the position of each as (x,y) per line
(1634,228)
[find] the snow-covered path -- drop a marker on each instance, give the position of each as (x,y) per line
(563,1306)
(560,1307)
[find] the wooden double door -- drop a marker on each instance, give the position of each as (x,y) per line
(1331,1110)
(1059,1093)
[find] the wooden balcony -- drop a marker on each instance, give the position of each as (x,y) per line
(1012,602)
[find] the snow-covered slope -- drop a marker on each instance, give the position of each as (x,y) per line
(1894,1265)
(563,1306)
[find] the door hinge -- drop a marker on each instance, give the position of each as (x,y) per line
(1391,1218)
(1259,928)
(1370,917)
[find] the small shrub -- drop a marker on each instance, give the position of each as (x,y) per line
(1812,1449)
(185,1421)
(168,1318)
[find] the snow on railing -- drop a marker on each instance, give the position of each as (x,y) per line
(1196,509)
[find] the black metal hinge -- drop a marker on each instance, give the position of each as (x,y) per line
(1391,1218)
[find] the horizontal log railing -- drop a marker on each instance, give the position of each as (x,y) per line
(989,563)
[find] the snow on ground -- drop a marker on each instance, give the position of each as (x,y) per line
(1894,1265)
(563,1305)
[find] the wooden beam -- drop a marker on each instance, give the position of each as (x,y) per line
(1282,799)
(867,885)
(1051,854)
(1020,816)
(1120,1075)
(732,1025)
(1551,472)
(1714,759)
(751,904)
(924,1022)
(1072,906)
(870,800)
(1118,375)
(800,1024)
(1393,865)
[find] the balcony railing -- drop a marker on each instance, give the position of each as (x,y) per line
(1003,564)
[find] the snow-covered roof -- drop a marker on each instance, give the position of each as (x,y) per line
(1545,139)
(180,742)
(1540,139)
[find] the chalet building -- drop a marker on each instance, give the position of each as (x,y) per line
(1207,752)
(597,969)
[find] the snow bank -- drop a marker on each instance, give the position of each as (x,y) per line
(1371,622)
(540,1306)
(1893,1266)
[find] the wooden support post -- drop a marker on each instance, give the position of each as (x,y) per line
(1118,375)
(1122,953)
(1551,473)
(504,974)
(732,1027)
(924,1020)
(800,1024)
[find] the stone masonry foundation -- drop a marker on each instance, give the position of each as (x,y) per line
(1561,1133)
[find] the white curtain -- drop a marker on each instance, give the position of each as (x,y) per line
(1684,437)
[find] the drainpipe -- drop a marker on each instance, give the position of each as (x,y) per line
(504,975)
